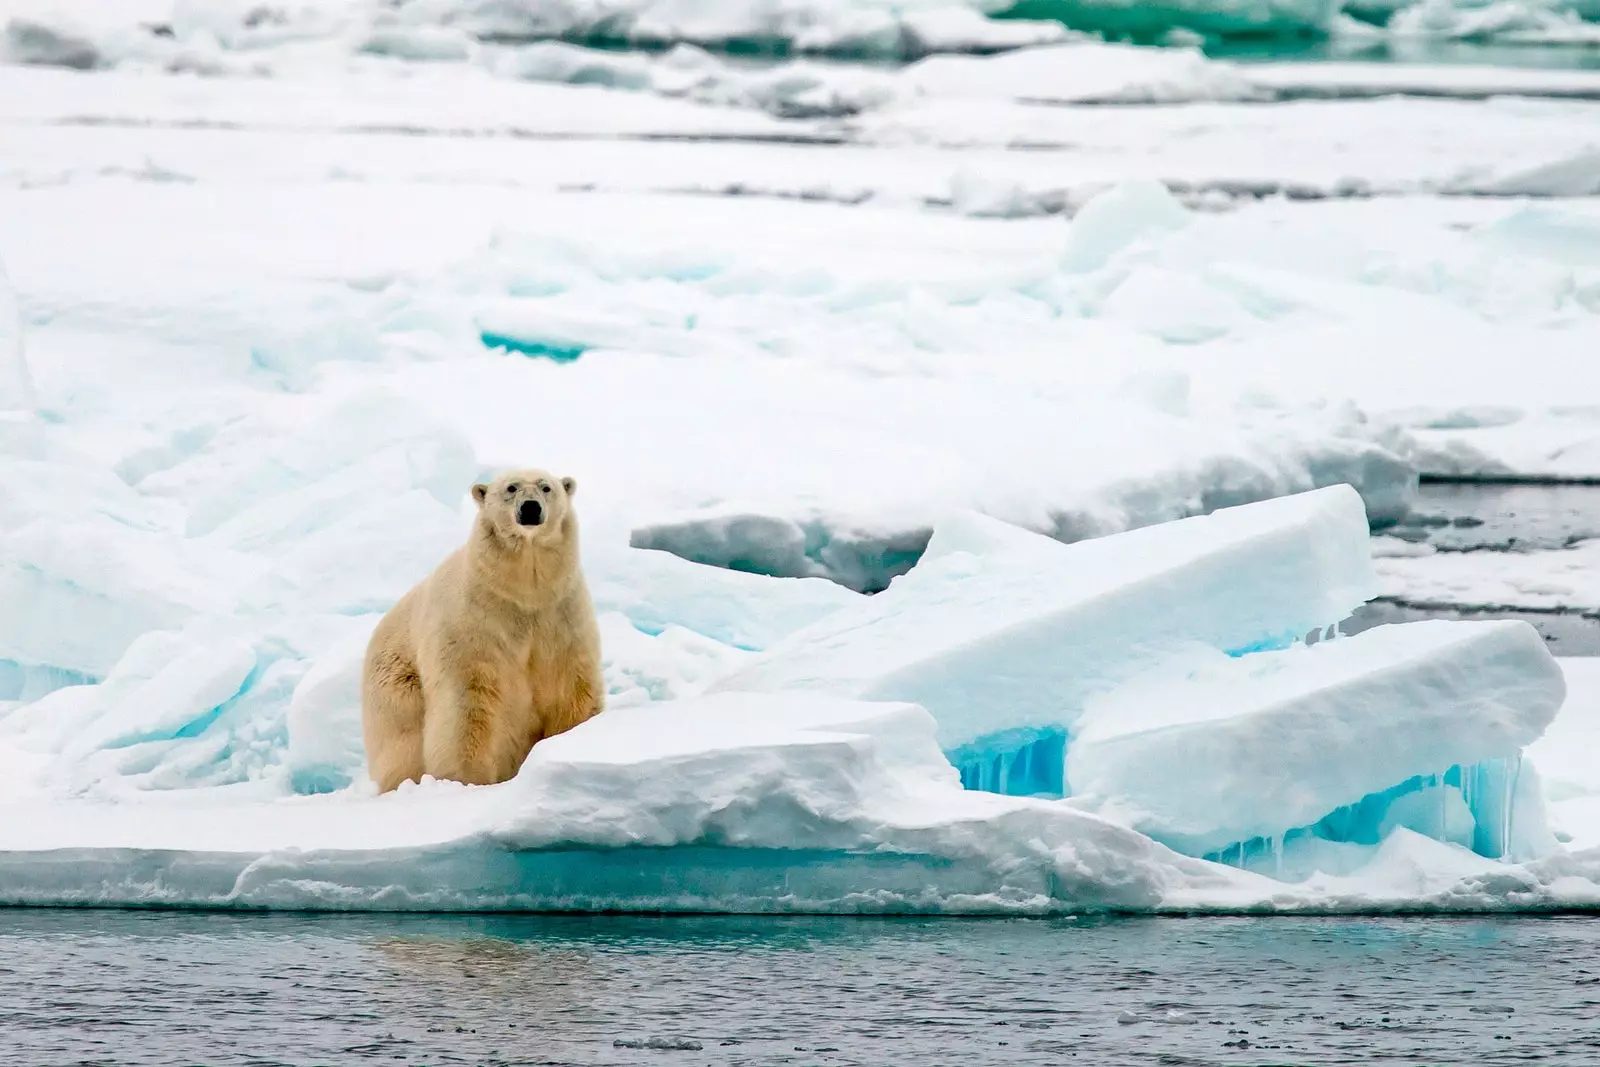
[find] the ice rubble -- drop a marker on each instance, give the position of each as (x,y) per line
(170,766)
(1524,22)
(763,796)
(200,34)
(958,53)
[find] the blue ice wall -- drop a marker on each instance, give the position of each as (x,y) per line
(1025,762)
(1488,788)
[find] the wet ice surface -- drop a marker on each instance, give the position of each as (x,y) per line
(165,988)
(1522,518)
(1496,531)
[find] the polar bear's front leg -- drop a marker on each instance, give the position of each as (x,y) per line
(391,718)
(474,720)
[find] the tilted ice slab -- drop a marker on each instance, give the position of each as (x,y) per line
(1004,635)
(1231,750)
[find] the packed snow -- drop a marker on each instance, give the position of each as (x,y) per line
(963,445)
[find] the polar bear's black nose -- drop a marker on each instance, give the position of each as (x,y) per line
(531,513)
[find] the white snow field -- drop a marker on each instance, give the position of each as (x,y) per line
(1091,364)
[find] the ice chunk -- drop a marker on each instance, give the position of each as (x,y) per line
(979,535)
(669,664)
(1019,640)
(864,557)
(1267,744)
(797,89)
(1116,218)
(167,687)
(371,426)
(175,701)
(958,28)
(1082,72)
(742,768)
(325,749)
(92,586)
(357,562)
(30,489)
(656,590)
(1510,21)
(1575,175)
(1174,306)
(429,43)
(1565,755)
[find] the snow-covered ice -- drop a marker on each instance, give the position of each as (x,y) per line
(1567,578)
(1565,756)
(1006,644)
(1289,738)
(792,800)
(208,34)
(276,294)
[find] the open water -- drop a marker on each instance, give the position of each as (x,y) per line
(145,988)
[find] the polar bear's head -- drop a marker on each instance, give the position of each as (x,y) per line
(531,504)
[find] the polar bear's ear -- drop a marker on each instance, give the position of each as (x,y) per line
(480,491)
(570,485)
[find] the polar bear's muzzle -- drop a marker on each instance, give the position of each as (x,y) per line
(530,513)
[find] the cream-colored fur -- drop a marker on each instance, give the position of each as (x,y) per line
(495,650)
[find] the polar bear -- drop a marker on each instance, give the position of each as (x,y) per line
(493,651)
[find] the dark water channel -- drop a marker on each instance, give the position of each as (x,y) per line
(1490,521)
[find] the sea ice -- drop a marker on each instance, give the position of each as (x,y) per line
(741,802)
(1117,218)
(1548,22)
(737,802)
(1005,647)
(126,580)
(1555,580)
(1082,72)
(257,406)
(16,385)
(1225,751)
(1565,757)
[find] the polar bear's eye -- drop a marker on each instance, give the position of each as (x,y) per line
(544,487)
(512,488)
